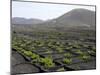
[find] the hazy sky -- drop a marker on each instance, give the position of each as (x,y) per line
(42,11)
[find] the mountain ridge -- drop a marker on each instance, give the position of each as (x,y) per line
(79,18)
(20,20)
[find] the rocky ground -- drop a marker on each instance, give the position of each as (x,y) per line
(20,65)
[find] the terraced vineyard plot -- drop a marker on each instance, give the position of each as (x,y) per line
(51,55)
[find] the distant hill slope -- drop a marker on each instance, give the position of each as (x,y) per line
(81,15)
(76,18)
(18,20)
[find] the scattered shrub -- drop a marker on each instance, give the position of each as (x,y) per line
(59,49)
(47,62)
(69,55)
(79,52)
(85,57)
(67,60)
(28,53)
